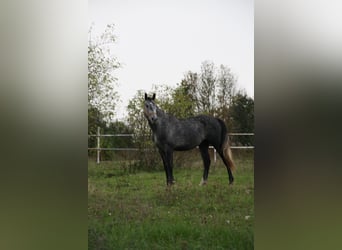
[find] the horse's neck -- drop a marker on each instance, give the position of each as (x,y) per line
(160,112)
(159,125)
(163,115)
(153,126)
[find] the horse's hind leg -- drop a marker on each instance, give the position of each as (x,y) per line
(206,162)
(230,174)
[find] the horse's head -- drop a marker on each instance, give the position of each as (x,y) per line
(150,108)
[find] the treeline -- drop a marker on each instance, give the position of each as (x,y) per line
(212,91)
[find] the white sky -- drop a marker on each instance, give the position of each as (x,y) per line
(158,41)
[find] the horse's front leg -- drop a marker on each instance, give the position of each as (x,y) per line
(167,157)
(169,154)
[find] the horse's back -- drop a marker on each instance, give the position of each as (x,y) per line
(210,123)
(213,128)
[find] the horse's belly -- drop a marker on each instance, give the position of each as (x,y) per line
(186,141)
(184,147)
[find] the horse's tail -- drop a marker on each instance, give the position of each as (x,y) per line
(227,153)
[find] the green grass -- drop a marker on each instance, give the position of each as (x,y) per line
(138,211)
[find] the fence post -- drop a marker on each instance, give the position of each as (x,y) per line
(98,146)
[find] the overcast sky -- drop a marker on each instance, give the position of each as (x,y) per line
(158,41)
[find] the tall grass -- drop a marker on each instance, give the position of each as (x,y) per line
(135,210)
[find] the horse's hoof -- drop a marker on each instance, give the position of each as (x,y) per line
(170,183)
(203,182)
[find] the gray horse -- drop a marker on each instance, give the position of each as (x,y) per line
(170,133)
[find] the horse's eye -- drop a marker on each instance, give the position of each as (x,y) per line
(146,106)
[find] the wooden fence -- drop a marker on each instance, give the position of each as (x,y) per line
(99,149)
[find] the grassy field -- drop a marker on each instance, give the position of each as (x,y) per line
(137,211)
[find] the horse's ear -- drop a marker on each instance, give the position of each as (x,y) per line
(154,96)
(145,96)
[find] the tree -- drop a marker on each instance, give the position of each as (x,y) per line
(182,104)
(189,84)
(206,88)
(136,120)
(242,116)
(93,122)
(102,96)
(212,90)
(226,91)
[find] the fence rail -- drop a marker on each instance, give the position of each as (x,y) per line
(99,149)
(130,135)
